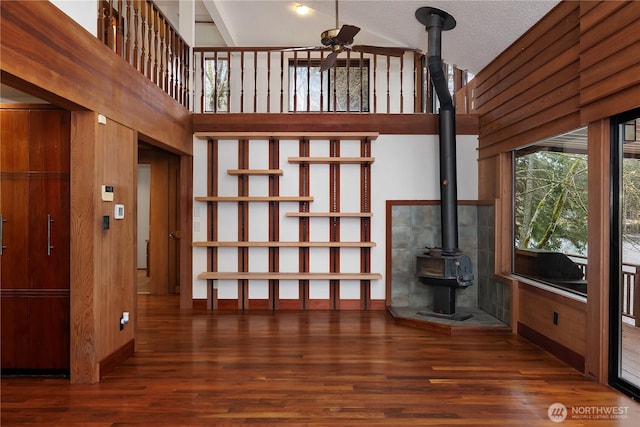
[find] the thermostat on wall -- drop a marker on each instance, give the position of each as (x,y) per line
(118,212)
(107,193)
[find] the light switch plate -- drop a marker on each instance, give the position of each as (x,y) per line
(118,212)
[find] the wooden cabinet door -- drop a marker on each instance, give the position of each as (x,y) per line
(34,265)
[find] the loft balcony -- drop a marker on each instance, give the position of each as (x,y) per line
(270,79)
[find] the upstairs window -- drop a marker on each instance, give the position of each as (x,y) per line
(342,88)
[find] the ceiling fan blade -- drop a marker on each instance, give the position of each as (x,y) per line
(329,61)
(380,50)
(299,49)
(346,34)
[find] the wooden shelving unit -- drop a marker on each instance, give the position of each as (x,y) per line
(334,160)
(263,172)
(287,276)
(254,199)
(255,244)
(274,221)
(330,214)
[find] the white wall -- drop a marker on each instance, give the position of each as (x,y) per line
(84,12)
(144,198)
(406,168)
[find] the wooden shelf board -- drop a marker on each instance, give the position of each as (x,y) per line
(288,135)
(326,160)
(210,244)
(288,276)
(331,214)
(255,199)
(255,172)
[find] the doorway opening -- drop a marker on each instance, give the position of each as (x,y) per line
(158,221)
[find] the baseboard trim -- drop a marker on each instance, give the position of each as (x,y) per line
(110,362)
(568,356)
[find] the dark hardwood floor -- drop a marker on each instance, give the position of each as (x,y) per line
(313,368)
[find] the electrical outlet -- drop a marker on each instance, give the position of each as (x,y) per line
(124,319)
(555,317)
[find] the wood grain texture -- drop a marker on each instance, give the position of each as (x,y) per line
(312,369)
(238,125)
(44,53)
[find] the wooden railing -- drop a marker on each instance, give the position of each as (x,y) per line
(288,80)
(630,287)
(139,32)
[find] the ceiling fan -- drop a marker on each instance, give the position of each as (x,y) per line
(340,39)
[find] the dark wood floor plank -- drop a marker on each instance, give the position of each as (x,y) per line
(312,368)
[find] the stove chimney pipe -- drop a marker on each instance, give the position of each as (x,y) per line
(436,21)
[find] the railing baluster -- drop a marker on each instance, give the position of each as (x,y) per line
(255,81)
(127,37)
(375,83)
(388,88)
(295,81)
(348,81)
(150,41)
(281,81)
(136,16)
(361,83)
(228,89)
(401,86)
(308,80)
(241,81)
(143,36)
(268,81)
(322,85)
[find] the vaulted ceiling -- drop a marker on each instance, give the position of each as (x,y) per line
(484,27)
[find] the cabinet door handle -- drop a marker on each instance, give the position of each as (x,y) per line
(2,246)
(49,245)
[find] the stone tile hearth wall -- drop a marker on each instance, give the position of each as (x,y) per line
(415,227)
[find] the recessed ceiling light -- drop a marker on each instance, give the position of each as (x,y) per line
(302,9)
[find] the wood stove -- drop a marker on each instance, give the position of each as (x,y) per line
(446,269)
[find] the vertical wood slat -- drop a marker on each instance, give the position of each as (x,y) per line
(365,223)
(303,225)
(334,222)
(243,224)
(212,218)
(274,223)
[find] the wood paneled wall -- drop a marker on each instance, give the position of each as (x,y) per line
(531,90)
(578,66)
(609,58)
(103,282)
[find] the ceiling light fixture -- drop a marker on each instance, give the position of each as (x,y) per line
(302,9)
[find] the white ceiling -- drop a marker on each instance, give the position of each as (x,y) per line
(484,27)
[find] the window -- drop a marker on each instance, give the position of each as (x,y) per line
(216,85)
(550,211)
(342,88)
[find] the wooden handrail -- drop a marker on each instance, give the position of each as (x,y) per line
(140,33)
